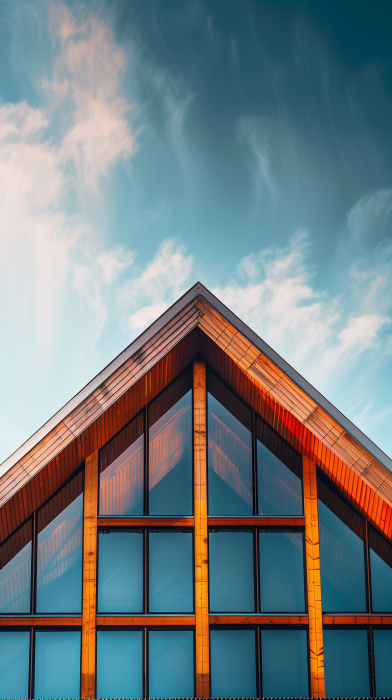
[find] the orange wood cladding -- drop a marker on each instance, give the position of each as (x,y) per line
(35,621)
(348,479)
(89,575)
(201,533)
(216,521)
(145,522)
(145,621)
(316,648)
(258,619)
(357,619)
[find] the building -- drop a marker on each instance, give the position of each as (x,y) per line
(197,521)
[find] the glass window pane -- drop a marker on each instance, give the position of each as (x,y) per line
(284,663)
(57,665)
(231,572)
(15,571)
(170,450)
(380,572)
(346,664)
(170,572)
(120,572)
(342,560)
(230,490)
(383,662)
(281,558)
(14,664)
(59,554)
(279,474)
(119,664)
(121,466)
(233,664)
(171,669)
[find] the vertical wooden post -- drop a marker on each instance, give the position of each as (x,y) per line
(201,532)
(317,685)
(89,575)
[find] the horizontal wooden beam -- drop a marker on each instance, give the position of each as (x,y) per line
(357,620)
(145,621)
(214,521)
(145,522)
(35,621)
(259,619)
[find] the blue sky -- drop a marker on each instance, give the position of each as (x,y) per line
(147,145)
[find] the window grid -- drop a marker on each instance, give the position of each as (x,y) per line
(369,621)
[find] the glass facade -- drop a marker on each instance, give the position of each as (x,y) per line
(233,663)
(59,552)
(157,568)
(14,664)
(346,663)
(170,572)
(171,666)
(231,572)
(342,556)
(284,663)
(282,586)
(120,572)
(57,664)
(120,664)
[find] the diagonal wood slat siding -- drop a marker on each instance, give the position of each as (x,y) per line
(280,401)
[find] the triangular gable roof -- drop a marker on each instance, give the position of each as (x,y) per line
(319,429)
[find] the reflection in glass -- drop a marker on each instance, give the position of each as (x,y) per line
(120,572)
(231,572)
(170,460)
(171,572)
(59,562)
(119,664)
(279,474)
(383,662)
(14,664)
(122,472)
(380,572)
(229,463)
(285,663)
(342,562)
(15,571)
(346,664)
(233,664)
(57,665)
(281,572)
(171,669)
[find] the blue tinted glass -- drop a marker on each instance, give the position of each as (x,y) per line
(171,673)
(233,664)
(342,565)
(119,664)
(281,572)
(346,664)
(383,662)
(231,572)
(170,461)
(14,664)
(121,483)
(285,663)
(279,489)
(229,463)
(59,562)
(57,665)
(171,572)
(381,576)
(15,581)
(120,572)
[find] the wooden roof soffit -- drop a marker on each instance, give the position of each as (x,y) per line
(275,396)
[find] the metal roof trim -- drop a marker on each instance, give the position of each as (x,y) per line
(197,290)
